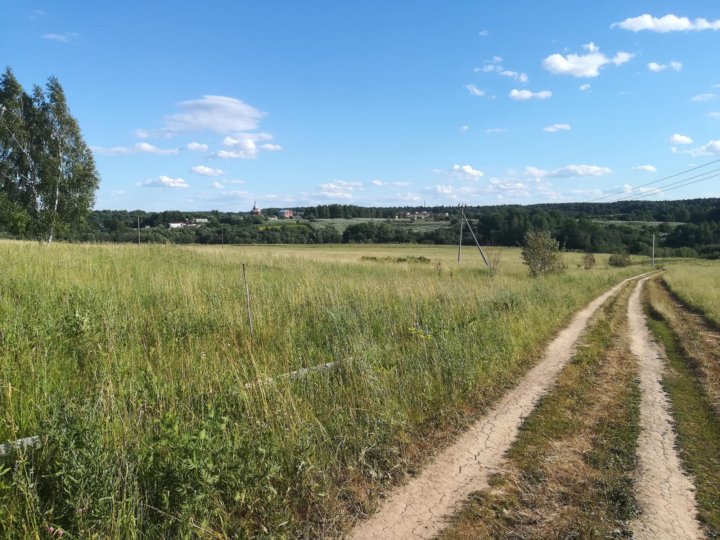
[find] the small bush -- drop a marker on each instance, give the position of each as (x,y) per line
(542,254)
(619,259)
(588,260)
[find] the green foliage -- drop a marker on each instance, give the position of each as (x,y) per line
(47,173)
(588,260)
(541,253)
(619,260)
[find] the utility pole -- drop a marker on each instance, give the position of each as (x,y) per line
(653,251)
(463,221)
(462,224)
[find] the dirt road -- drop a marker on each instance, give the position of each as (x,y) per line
(419,508)
(664,493)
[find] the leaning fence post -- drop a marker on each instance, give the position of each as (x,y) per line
(247,303)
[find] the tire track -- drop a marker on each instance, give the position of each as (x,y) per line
(665,494)
(419,508)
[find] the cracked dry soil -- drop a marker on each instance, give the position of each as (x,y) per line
(419,509)
(664,493)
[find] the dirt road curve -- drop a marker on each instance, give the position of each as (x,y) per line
(665,495)
(419,508)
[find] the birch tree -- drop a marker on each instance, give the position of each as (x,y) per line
(48,172)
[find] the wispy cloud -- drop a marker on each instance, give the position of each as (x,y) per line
(197,147)
(203,170)
(339,189)
(165,182)
(557,127)
(645,168)
(61,38)
(137,148)
(654,66)
(569,171)
(702,97)
(667,23)
(494,66)
(474,90)
(524,95)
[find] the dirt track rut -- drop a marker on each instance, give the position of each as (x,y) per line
(665,494)
(419,508)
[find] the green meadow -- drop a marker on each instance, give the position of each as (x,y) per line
(136,367)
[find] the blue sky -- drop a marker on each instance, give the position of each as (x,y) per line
(215,105)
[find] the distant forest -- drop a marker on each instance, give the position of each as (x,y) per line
(682,228)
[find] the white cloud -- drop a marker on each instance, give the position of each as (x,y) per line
(271,147)
(519,77)
(584,87)
(202,170)
(377,183)
(524,95)
(244,146)
(586,65)
(569,171)
(710,149)
(474,90)
(147,148)
(61,38)
(557,127)
(218,185)
(165,182)
(137,148)
(680,139)
(654,66)
(483,33)
(142,133)
(220,114)
(645,168)
(715,115)
(508,186)
(339,189)
(463,129)
(668,23)
(444,189)
(466,172)
(494,66)
(496,130)
(702,97)
(197,147)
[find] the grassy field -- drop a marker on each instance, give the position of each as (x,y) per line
(136,367)
(697,283)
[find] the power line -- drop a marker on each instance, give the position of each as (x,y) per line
(655,190)
(678,187)
(654,181)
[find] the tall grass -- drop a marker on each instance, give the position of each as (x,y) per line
(133,364)
(697,283)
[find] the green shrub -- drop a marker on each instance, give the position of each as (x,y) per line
(541,253)
(619,259)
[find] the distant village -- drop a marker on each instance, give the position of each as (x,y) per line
(276,215)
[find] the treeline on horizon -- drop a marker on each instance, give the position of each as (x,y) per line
(682,228)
